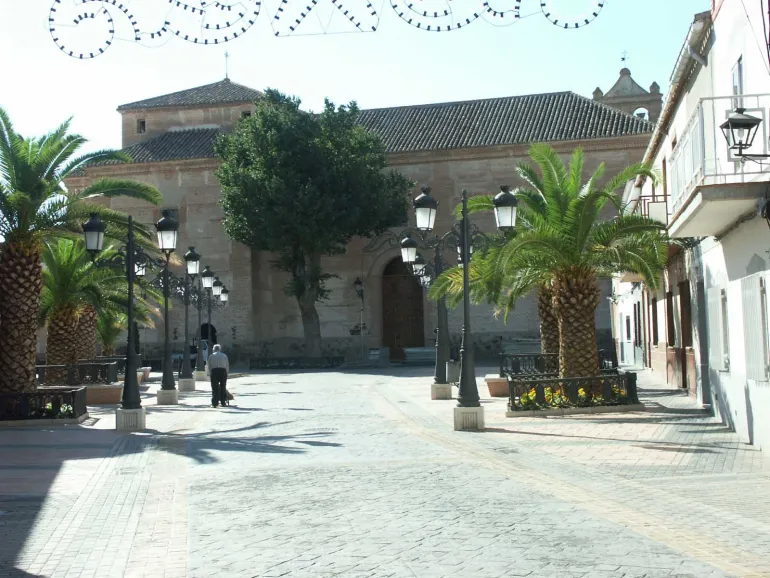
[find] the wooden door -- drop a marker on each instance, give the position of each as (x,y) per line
(402,309)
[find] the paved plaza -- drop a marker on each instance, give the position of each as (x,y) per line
(360,475)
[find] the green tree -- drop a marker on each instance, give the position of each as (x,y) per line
(34,205)
(561,244)
(302,185)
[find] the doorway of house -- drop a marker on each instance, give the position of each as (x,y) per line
(402,309)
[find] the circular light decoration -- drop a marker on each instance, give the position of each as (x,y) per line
(213,22)
(498,16)
(437,15)
(290,15)
(566,13)
(66,17)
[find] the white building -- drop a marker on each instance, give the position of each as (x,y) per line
(706,328)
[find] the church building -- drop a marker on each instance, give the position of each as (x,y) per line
(474,145)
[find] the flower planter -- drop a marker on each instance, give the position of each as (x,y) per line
(103,394)
(498,386)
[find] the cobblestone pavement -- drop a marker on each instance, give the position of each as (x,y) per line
(361,475)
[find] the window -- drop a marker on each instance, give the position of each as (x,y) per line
(670,330)
(738,83)
(654,316)
(642,113)
(725,322)
(628,326)
(245,114)
(141,126)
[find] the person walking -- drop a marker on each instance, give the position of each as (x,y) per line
(218,366)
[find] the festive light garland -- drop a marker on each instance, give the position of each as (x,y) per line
(571,21)
(219,22)
(278,19)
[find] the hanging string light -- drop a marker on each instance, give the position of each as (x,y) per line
(565,14)
(284,24)
(71,22)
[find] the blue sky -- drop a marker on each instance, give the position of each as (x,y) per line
(396,65)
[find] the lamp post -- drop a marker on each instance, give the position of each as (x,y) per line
(207,281)
(468,415)
(192,266)
(167,229)
(200,368)
(130,416)
(358,285)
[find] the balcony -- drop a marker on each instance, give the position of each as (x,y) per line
(709,187)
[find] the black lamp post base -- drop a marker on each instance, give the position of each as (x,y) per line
(469,418)
(168,397)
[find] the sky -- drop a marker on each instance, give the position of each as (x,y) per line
(398,64)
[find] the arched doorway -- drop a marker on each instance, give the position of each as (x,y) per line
(402,309)
(205,333)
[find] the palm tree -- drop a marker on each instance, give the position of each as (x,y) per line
(109,326)
(563,245)
(34,205)
(74,286)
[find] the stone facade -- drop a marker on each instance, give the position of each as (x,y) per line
(260,319)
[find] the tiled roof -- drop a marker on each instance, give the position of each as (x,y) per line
(499,121)
(560,116)
(222,92)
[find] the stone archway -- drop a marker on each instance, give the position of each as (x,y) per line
(402,309)
(205,333)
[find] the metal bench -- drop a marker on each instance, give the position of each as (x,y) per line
(419,356)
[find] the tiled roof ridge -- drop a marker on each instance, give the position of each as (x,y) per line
(469,101)
(220,92)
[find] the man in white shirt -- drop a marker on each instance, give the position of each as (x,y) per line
(217,367)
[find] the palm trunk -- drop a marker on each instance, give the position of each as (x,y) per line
(549,322)
(86,333)
(61,348)
(576,296)
(21,272)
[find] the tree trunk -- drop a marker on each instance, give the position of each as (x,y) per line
(576,296)
(62,345)
(549,323)
(86,333)
(21,274)
(311,324)
(108,350)
(305,273)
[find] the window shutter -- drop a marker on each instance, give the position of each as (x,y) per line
(715,328)
(754,326)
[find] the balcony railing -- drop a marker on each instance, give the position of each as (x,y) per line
(701,157)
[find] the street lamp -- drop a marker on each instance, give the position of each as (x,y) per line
(418,266)
(192,266)
(224,295)
(358,286)
(505,203)
(425,210)
(739,130)
(408,250)
(167,229)
(206,279)
(216,287)
(130,415)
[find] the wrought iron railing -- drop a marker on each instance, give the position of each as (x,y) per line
(44,403)
(535,392)
(546,363)
(325,362)
(121,361)
(88,372)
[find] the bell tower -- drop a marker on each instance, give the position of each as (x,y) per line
(628,96)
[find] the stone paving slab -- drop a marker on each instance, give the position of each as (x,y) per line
(343,474)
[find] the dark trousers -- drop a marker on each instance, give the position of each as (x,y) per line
(219,386)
